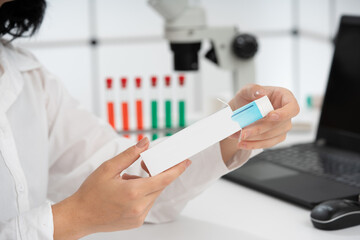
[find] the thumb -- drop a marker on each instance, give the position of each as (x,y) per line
(129,156)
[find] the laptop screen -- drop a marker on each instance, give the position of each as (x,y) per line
(340,118)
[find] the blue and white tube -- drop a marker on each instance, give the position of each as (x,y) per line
(252,112)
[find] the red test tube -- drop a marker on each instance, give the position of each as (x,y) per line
(139,108)
(124,106)
(110,102)
(168,111)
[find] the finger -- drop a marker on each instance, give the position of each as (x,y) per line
(288,108)
(262,144)
(144,167)
(129,156)
(146,186)
(163,179)
(288,111)
(274,132)
(126,176)
(258,128)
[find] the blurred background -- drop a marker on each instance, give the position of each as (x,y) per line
(85,42)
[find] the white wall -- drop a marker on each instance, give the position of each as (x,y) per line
(130,39)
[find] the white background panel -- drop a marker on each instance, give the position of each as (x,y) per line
(64,20)
(250,15)
(274,61)
(124,18)
(315,60)
(145,58)
(315,16)
(72,66)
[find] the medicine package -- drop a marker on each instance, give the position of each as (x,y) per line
(202,134)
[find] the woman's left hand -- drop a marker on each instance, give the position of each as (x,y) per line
(271,129)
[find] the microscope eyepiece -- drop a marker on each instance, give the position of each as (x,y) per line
(186,56)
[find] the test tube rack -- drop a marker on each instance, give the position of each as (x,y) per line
(146,106)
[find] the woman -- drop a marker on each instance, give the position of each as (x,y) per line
(53,149)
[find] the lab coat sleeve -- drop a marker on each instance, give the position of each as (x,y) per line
(78,141)
(34,224)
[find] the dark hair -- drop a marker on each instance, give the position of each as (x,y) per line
(21,16)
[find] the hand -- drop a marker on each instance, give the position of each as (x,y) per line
(273,128)
(107,201)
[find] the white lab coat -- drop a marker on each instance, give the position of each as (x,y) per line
(49,145)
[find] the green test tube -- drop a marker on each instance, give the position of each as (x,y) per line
(154,118)
(168,116)
(168,122)
(182,96)
(154,107)
(182,113)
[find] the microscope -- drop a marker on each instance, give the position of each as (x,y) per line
(185,28)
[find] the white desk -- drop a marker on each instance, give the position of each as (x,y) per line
(230,211)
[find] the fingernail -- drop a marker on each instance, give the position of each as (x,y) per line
(274,116)
(187,163)
(246,135)
(142,143)
(259,93)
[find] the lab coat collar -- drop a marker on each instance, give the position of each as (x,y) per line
(21,59)
(15,62)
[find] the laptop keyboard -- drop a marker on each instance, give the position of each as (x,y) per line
(339,165)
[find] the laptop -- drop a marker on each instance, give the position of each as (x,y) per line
(328,168)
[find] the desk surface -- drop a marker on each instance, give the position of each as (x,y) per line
(230,211)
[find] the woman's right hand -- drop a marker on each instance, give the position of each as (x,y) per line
(107,201)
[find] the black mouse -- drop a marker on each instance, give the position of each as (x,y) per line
(336,214)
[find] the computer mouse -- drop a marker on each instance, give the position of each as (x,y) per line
(336,214)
